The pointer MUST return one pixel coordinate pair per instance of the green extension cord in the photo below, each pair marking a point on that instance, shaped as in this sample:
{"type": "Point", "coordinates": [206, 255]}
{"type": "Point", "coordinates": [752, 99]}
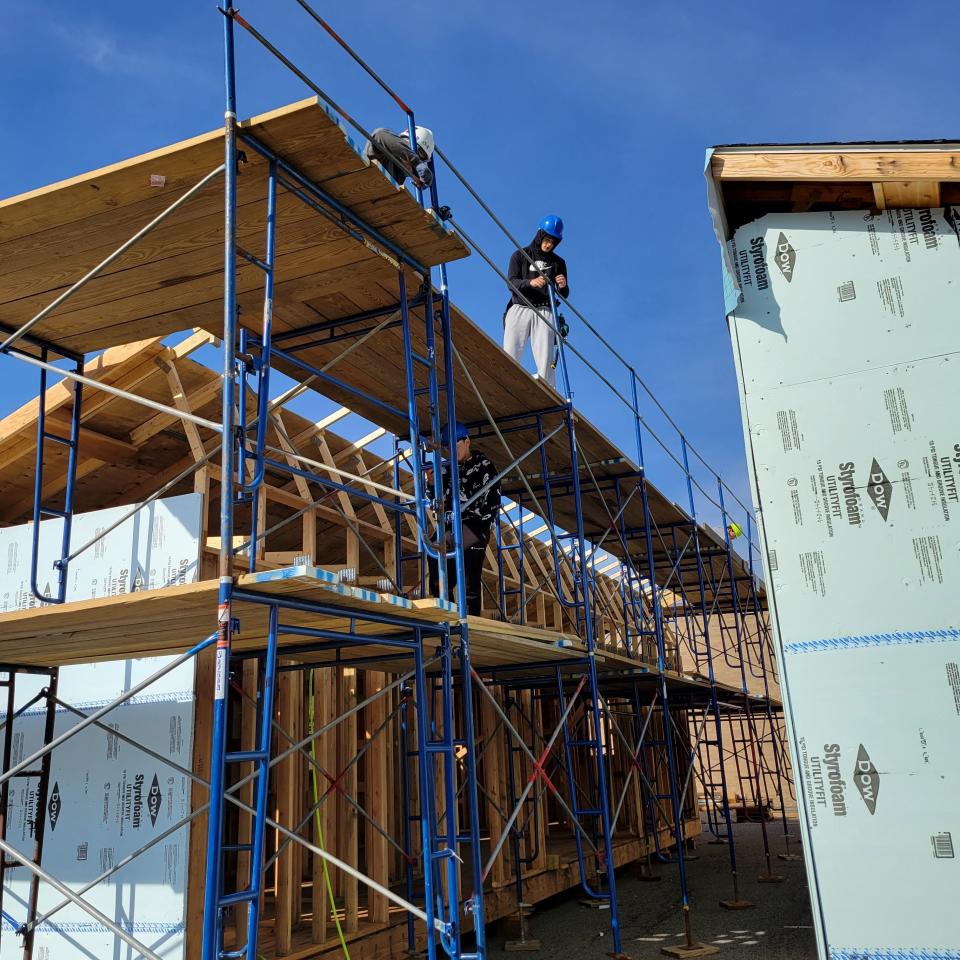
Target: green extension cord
{"type": "Point", "coordinates": [316, 814]}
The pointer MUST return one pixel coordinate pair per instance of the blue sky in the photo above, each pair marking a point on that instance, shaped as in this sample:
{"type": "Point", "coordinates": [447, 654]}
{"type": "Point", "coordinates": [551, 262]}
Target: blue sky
{"type": "Point", "coordinates": [600, 113]}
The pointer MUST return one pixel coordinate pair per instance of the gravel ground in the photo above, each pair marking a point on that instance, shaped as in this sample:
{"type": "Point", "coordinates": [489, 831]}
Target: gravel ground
{"type": "Point", "coordinates": [779, 927]}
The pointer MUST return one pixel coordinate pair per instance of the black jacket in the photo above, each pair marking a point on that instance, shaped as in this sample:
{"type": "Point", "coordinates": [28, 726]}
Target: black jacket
{"type": "Point", "coordinates": [475, 473]}
{"type": "Point", "coordinates": [521, 272]}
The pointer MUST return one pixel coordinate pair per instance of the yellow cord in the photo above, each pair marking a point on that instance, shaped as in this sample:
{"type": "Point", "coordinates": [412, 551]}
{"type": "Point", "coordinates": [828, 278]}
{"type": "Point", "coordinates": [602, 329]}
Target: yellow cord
{"type": "Point", "coordinates": [316, 814]}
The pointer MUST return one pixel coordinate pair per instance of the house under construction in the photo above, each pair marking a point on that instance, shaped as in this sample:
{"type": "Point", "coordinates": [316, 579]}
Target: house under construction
{"type": "Point", "coordinates": [369, 767]}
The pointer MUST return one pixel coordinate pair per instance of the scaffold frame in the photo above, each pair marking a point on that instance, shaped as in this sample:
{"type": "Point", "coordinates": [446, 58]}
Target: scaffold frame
{"type": "Point", "coordinates": [657, 672]}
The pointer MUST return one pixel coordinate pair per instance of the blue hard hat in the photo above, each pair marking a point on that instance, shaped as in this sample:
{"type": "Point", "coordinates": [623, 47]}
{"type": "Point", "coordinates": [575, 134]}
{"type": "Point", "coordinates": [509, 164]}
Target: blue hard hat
{"type": "Point", "coordinates": [460, 431]}
{"type": "Point", "coordinates": [552, 226]}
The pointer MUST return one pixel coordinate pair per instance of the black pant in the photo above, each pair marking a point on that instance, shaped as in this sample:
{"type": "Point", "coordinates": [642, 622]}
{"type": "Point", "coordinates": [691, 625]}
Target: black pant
{"type": "Point", "coordinates": [473, 569]}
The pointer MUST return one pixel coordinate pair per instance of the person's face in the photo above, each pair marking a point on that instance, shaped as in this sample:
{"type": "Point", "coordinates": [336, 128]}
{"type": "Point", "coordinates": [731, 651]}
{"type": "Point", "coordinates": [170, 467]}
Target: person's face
{"type": "Point", "coordinates": [547, 244]}
{"type": "Point", "coordinates": [463, 450]}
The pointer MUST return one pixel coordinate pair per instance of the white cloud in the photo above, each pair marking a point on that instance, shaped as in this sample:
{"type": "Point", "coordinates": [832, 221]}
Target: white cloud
{"type": "Point", "coordinates": [112, 55]}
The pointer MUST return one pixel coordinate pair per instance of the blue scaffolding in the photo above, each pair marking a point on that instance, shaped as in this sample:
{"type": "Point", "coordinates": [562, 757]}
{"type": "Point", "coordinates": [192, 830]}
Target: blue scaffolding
{"type": "Point", "coordinates": [656, 717]}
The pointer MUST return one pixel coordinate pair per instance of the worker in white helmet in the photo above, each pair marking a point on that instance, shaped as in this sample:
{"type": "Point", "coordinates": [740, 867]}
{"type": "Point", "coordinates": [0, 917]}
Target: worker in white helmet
{"type": "Point", "coordinates": [393, 152]}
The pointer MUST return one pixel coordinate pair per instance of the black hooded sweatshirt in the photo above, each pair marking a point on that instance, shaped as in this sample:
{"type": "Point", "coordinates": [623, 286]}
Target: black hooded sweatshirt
{"type": "Point", "coordinates": [521, 272]}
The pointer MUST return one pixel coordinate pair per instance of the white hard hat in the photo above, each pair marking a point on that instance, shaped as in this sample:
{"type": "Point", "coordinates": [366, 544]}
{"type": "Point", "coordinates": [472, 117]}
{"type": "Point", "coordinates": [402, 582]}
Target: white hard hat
{"type": "Point", "coordinates": [425, 140]}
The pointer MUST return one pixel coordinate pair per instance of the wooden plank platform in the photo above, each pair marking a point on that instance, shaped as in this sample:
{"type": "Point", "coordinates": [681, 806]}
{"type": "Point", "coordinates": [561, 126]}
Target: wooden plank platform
{"type": "Point", "coordinates": [52, 236]}
{"type": "Point", "coordinates": [173, 619]}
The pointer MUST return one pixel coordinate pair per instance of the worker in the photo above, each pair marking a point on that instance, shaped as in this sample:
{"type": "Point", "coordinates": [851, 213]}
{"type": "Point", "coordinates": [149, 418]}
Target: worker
{"type": "Point", "coordinates": [477, 476]}
{"type": "Point", "coordinates": [394, 153]}
{"type": "Point", "coordinates": [529, 273]}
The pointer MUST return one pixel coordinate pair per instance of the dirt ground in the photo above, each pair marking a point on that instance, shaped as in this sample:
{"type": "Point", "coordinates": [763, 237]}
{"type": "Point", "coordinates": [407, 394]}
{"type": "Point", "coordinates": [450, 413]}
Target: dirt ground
{"type": "Point", "coordinates": [778, 927]}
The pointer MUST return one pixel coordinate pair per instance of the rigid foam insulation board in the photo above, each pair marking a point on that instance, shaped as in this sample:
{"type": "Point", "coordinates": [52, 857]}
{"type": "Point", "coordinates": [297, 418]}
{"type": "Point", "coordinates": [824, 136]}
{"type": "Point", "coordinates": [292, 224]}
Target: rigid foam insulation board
{"type": "Point", "coordinates": [107, 798]}
{"type": "Point", "coordinates": [846, 343]}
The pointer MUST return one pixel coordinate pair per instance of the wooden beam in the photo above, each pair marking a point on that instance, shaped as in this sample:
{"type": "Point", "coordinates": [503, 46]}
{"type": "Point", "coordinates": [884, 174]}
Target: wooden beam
{"type": "Point", "coordinates": [248, 741]}
{"type": "Point", "coordinates": [183, 405]}
{"type": "Point", "coordinates": [94, 444]}
{"type": "Point", "coordinates": [309, 545]}
{"type": "Point", "coordinates": [362, 442]}
{"type": "Point", "coordinates": [108, 367]}
{"type": "Point", "coordinates": [360, 464]}
{"type": "Point", "coordinates": [327, 457]}
{"type": "Point", "coordinates": [260, 547]}
{"type": "Point", "coordinates": [285, 444]}
{"type": "Point", "coordinates": [324, 712]}
{"type": "Point", "coordinates": [199, 338]}
{"type": "Point", "coordinates": [288, 886]}
{"type": "Point", "coordinates": [493, 777]}
{"type": "Point", "coordinates": [375, 779]}
{"type": "Point", "coordinates": [347, 815]}
{"type": "Point", "coordinates": [290, 499]}
{"type": "Point", "coordinates": [896, 194]}
{"type": "Point", "coordinates": [197, 850]}
{"type": "Point", "coordinates": [837, 164]}
{"type": "Point", "coordinates": [18, 431]}
{"type": "Point", "coordinates": [150, 428]}
{"type": "Point", "coordinates": [317, 428]}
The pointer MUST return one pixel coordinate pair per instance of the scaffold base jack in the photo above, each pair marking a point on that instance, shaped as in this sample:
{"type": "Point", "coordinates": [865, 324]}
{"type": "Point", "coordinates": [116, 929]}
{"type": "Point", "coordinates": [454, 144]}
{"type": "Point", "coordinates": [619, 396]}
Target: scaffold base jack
{"type": "Point", "coordinates": [686, 950]}
{"type": "Point", "coordinates": [644, 872]}
{"type": "Point", "coordinates": [520, 924]}
{"type": "Point", "coordinates": [691, 948]}
{"type": "Point", "coordinates": [737, 904]}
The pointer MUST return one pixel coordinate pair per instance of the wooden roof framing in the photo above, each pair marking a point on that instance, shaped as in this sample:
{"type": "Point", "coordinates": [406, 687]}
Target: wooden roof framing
{"type": "Point", "coordinates": [155, 446]}
{"type": "Point", "coordinates": [765, 178]}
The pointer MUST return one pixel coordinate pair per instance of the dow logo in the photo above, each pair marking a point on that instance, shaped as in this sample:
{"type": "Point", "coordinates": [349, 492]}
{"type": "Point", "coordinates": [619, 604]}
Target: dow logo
{"type": "Point", "coordinates": [879, 488]}
{"type": "Point", "coordinates": [153, 801]}
{"type": "Point", "coordinates": [785, 257]}
{"type": "Point", "coordinates": [867, 779]}
{"type": "Point", "coordinates": [54, 806]}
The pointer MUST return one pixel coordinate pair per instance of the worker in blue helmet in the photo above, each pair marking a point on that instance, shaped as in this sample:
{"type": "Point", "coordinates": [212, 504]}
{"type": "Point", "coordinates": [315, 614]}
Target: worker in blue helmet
{"type": "Point", "coordinates": [479, 484]}
{"type": "Point", "coordinates": [528, 314]}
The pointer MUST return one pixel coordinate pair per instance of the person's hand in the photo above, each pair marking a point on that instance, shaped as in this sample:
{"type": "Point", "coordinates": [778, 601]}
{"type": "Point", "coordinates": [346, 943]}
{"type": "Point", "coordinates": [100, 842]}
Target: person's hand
{"type": "Point", "coordinates": [561, 281]}
{"type": "Point", "coordinates": [539, 283]}
{"type": "Point", "coordinates": [422, 176]}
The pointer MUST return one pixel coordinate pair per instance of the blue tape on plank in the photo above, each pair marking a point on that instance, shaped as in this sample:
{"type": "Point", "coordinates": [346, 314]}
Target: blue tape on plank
{"type": "Point", "coordinates": [396, 601]}
{"type": "Point", "coordinates": [292, 573]}
{"type": "Point", "coordinates": [898, 638]}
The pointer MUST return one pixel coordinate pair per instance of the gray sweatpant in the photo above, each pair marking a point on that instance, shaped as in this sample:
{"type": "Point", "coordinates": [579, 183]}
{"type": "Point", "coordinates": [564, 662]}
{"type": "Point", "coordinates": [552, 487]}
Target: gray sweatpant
{"type": "Point", "coordinates": [524, 323]}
